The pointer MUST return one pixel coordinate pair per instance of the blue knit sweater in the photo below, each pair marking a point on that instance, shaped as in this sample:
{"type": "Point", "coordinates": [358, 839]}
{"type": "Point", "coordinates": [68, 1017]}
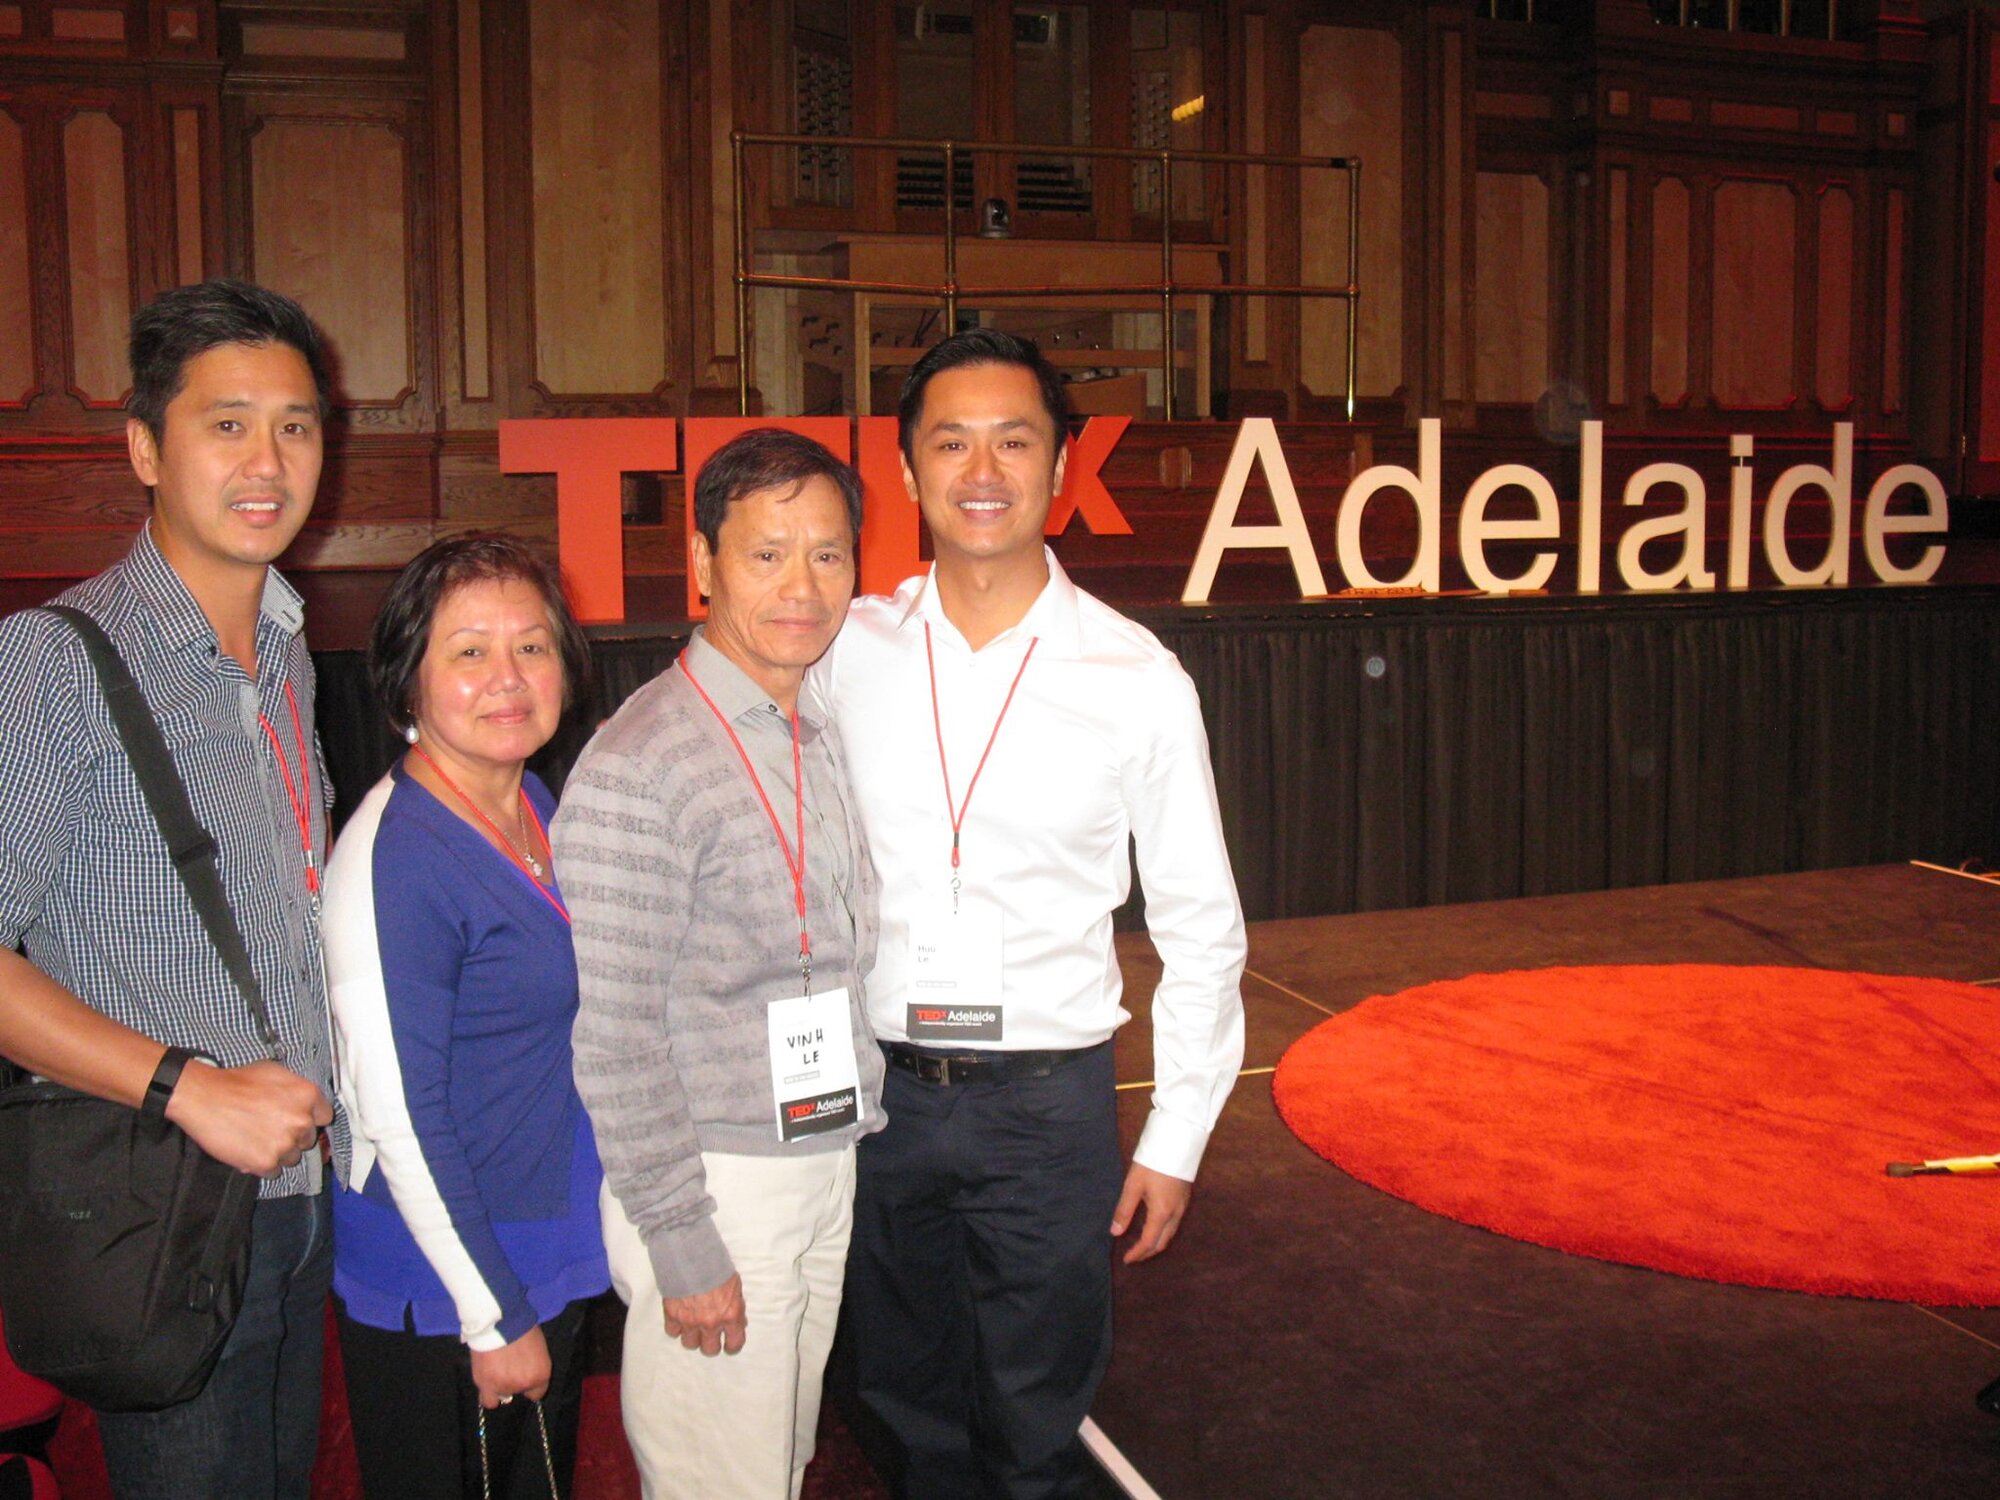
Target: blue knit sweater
{"type": "Point", "coordinates": [472, 1204]}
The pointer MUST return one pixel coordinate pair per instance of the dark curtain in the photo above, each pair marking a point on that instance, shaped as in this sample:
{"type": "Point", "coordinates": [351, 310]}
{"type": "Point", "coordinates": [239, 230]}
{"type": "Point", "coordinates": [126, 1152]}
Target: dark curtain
{"type": "Point", "coordinates": [1412, 752]}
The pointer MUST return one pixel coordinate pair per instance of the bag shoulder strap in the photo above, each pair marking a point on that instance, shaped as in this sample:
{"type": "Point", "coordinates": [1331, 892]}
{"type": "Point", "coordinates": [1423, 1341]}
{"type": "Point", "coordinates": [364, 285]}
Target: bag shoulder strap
{"type": "Point", "coordinates": [189, 844]}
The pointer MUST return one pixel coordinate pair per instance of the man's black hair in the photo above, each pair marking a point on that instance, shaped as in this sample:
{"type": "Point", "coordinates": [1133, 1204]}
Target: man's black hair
{"type": "Point", "coordinates": [766, 458]}
{"type": "Point", "coordinates": [187, 321]}
{"type": "Point", "coordinates": [980, 346]}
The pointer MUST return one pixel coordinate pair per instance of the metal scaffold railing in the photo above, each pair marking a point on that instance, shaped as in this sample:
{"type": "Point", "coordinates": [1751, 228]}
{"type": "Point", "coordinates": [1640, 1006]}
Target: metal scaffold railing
{"type": "Point", "coordinates": [950, 292]}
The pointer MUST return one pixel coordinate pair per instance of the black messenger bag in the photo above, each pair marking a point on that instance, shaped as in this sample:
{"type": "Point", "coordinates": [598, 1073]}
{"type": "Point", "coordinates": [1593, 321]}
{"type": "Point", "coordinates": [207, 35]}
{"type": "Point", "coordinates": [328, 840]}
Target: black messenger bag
{"type": "Point", "coordinates": [123, 1245]}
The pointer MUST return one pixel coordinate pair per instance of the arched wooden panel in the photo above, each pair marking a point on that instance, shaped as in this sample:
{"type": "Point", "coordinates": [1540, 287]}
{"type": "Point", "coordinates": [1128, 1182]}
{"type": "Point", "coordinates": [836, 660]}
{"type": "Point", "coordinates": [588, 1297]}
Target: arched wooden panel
{"type": "Point", "coordinates": [329, 226]}
{"type": "Point", "coordinates": [599, 245]}
{"type": "Point", "coordinates": [1755, 281]}
{"type": "Point", "coordinates": [17, 309]}
{"type": "Point", "coordinates": [1670, 292]}
{"type": "Point", "coordinates": [1351, 104]}
{"type": "Point", "coordinates": [1512, 317]}
{"type": "Point", "coordinates": [100, 260]}
{"type": "Point", "coordinates": [1833, 382]}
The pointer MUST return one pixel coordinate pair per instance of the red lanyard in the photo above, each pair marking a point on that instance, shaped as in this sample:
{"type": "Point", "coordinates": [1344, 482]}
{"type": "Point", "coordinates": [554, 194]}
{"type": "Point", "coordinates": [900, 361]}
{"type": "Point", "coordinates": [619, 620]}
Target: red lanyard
{"type": "Point", "coordinates": [796, 866]}
{"type": "Point", "coordinates": [493, 828]}
{"type": "Point", "coordinates": [300, 796]}
{"type": "Point", "coordinates": [957, 815]}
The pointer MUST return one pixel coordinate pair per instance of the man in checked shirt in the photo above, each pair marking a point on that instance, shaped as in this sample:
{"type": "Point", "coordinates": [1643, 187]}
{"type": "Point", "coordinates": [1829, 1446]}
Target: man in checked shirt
{"type": "Point", "coordinates": [117, 990]}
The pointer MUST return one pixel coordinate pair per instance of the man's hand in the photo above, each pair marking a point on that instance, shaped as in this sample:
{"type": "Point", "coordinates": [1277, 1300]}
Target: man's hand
{"type": "Point", "coordinates": [259, 1118]}
{"type": "Point", "coordinates": [517, 1369]}
{"type": "Point", "coordinates": [1165, 1199]}
{"type": "Point", "coordinates": [713, 1321]}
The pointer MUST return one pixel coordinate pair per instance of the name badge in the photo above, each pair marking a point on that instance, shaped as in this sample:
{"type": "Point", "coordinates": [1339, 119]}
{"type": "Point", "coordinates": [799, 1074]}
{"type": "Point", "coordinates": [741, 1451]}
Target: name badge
{"type": "Point", "coordinates": [955, 975]}
{"type": "Point", "coordinates": [813, 1076]}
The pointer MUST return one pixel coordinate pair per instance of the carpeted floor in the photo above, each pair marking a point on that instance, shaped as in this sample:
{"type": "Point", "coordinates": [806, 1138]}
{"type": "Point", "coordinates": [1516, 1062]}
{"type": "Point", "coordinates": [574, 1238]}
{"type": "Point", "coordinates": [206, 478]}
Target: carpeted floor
{"type": "Point", "coordinates": [1725, 1122]}
{"type": "Point", "coordinates": [1308, 1336]}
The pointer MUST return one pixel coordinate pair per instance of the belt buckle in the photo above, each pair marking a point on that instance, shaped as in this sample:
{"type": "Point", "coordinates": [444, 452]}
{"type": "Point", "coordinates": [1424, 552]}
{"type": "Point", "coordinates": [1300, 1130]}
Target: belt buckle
{"type": "Point", "coordinates": [932, 1069]}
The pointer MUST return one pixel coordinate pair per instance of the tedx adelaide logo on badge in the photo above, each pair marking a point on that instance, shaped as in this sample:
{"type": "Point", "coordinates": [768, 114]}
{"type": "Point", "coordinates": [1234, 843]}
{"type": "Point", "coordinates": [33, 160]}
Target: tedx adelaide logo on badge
{"type": "Point", "coordinates": [819, 1114]}
{"type": "Point", "coordinates": [962, 1022]}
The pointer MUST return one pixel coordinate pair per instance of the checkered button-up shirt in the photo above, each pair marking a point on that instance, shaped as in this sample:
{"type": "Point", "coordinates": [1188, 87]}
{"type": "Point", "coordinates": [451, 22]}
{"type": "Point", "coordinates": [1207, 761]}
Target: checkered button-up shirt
{"type": "Point", "coordinates": [87, 889]}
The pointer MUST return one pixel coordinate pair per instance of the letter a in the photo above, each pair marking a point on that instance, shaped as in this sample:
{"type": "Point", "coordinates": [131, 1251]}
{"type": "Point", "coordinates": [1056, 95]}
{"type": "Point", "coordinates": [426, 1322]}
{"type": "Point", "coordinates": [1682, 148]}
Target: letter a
{"type": "Point", "coordinates": [1256, 439]}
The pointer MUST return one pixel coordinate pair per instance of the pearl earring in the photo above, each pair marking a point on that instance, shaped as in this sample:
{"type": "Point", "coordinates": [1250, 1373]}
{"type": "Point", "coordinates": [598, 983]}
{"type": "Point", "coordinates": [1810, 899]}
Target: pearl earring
{"type": "Point", "coordinates": [410, 733]}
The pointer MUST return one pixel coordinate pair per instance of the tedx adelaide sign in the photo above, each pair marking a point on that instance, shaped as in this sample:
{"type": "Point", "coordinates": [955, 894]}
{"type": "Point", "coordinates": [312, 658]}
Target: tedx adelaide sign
{"type": "Point", "coordinates": [1666, 548]}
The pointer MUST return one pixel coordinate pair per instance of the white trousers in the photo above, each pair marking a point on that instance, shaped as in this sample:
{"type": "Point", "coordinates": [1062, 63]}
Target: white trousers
{"type": "Point", "coordinates": [739, 1426]}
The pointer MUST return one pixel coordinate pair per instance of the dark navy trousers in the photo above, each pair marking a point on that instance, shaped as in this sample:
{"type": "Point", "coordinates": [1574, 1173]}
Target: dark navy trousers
{"type": "Point", "coordinates": [978, 1301]}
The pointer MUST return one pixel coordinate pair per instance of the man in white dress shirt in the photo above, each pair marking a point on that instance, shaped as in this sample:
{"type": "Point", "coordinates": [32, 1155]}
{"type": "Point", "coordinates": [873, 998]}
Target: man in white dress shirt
{"type": "Point", "coordinates": [1010, 737]}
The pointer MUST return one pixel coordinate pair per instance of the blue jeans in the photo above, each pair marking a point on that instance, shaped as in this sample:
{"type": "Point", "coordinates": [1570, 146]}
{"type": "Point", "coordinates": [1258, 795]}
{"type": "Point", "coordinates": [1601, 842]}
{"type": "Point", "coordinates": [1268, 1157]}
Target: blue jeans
{"type": "Point", "coordinates": [253, 1431]}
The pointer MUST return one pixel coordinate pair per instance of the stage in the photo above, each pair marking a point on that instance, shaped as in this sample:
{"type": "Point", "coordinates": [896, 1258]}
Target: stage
{"type": "Point", "coordinates": [1309, 1336]}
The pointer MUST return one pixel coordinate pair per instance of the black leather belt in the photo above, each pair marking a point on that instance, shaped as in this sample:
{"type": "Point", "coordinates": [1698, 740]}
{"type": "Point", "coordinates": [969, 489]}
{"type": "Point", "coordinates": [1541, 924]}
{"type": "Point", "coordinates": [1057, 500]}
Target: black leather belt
{"type": "Point", "coordinates": [979, 1067]}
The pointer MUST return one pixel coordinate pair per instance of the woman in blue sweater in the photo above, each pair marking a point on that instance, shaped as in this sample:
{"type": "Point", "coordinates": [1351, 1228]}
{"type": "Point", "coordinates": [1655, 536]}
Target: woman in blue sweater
{"type": "Point", "coordinates": [466, 1240]}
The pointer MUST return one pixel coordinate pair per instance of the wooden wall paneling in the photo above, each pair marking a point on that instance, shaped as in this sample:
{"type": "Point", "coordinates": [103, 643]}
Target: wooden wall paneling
{"type": "Point", "coordinates": [1835, 285]}
{"type": "Point", "coordinates": [1218, 46]}
{"type": "Point", "coordinates": [1895, 297]}
{"type": "Point", "coordinates": [460, 113]}
{"type": "Point", "coordinates": [1701, 289]}
{"type": "Point", "coordinates": [1351, 89]}
{"type": "Point", "coordinates": [190, 197]}
{"type": "Point", "coordinates": [1459, 159]}
{"type": "Point", "coordinates": [186, 107]}
{"type": "Point", "coordinates": [1111, 108]}
{"type": "Point", "coordinates": [1282, 106]}
{"type": "Point", "coordinates": [679, 199]}
{"type": "Point", "coordinates": [711, 115]}
{"type": "Point", "coordinates": [1668, 251]}
{"type": "Point", "coordinates": [599, 163]}
{"type": "Point", "coordinates": [51, 408]}
{"type": "Point", "coordinates": [874, 112]}
{"type": "Point", "coordinates": [1511, 322]}
{"type": "Point", "coordinates": [1753, 267]}
{"type": "Point", "coordinates": [349, 99]}
{"type": "Point", "coordinates": [98, 198]}
{"type": "Point", "coordinates": [1951, 241]}
{"type": "Point", "coordinates": [1617, 286]}
{"type": "Point", "coordinates": [506, 106]}
{"type": "Point", "coordinates": [1251, 192]}
{"type": "Point", "coordinates": [17, 306]}
{"type": "Point", "coordinates": [993, 101]}
{"type": "Point", "coordinates": [330, 225]}
{"type": "Point", "coordinates": [67, 508]}
{"type": "Point", "coordinates": [1575, 286]}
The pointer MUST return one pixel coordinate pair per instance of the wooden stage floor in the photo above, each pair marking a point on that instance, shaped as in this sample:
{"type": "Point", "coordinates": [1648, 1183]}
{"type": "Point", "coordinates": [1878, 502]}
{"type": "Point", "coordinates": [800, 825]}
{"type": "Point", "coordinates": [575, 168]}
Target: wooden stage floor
{"type": "Point", "coordinates": [1309, 1336]}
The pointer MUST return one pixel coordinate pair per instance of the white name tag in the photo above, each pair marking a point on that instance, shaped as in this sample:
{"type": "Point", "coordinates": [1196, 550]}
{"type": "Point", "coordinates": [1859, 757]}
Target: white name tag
{"type": "Point", "coordinates": [955, 974]}
{"type": "Point", "coordinates": [813, 1076]}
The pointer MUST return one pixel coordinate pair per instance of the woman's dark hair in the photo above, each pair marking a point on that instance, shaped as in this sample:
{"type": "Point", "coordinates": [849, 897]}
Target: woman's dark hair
{"type": "Point", "coordinates": [187, 321]}
{"type": "Point", "coordinates": [980, 346]}
{"type": "Point", "coordinates": [403, 624]}
{"type": "Point", "coordinates": [765, 458]}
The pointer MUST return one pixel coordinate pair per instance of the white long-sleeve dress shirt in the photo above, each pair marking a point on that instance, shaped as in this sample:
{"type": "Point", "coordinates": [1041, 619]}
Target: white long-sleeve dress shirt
{"type": "Point", "coordinates": [1102, 744]}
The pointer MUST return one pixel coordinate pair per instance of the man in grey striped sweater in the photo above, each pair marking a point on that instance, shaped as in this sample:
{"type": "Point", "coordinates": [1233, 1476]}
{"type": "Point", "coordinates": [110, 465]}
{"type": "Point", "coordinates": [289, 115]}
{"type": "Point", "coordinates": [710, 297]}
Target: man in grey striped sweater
{"type": "Point", "coordinates": [724, 911]}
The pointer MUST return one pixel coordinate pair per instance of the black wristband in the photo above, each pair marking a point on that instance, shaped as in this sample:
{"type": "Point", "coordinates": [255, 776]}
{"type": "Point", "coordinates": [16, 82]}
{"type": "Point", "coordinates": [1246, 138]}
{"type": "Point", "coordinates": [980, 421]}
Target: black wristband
{"type": "Point", "coordinates": [165, 1078]}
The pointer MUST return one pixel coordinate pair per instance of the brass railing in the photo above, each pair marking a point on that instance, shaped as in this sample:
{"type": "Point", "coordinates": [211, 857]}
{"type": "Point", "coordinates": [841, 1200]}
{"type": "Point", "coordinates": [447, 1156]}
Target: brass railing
{"type": "Point", "coordinates": [950, 292]}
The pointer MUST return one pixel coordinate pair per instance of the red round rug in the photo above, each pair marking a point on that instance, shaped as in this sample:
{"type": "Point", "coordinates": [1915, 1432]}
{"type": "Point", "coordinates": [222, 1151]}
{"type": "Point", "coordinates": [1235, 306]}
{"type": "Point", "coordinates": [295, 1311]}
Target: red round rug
{"type": "Point", "coordinates": [1727, 1123]}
